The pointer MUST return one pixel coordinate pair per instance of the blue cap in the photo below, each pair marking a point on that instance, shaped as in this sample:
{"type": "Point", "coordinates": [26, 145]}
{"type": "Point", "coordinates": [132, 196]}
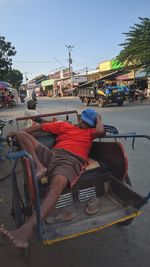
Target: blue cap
{"type": "Point", "coordinates": [89, 116]}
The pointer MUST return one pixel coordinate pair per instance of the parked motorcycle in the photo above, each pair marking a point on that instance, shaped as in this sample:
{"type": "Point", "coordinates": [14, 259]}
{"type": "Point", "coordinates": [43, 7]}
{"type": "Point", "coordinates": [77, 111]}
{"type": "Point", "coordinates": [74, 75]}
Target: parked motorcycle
{"type": "Point", "coordinates": [34, 97]}
{"type": "Point", "coordinates": [136, 95]}
{"type": "Point", "coordinates": [22, 98]}
{"type": "Point", "coordinates": [22, 95]}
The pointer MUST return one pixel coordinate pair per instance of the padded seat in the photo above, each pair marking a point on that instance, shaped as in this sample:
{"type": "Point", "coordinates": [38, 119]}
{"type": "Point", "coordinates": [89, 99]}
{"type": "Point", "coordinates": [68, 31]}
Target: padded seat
{"type": "Point", "coordinates": [91, 173]}
{"type": "Point", "coordinates": [92, 164]}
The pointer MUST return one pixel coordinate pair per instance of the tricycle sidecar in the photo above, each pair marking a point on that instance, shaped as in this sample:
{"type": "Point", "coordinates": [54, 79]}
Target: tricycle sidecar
{"type": "Point", "coordinates": [102, 197]}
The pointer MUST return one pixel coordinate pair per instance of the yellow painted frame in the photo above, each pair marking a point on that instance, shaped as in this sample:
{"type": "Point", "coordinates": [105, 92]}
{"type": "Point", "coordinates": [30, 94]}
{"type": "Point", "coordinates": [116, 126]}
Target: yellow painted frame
{"type": "Point", "coordinates": [50, 242]}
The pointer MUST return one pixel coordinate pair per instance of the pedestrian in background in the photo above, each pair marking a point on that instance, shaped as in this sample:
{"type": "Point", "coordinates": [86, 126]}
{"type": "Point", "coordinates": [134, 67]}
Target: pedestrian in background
{"type": "Point", "coordinates": [31, 111]}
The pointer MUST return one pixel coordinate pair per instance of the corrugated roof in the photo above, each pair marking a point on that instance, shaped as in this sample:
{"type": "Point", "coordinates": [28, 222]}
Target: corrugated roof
{"type": "Point", "coordinates": [107, 76]}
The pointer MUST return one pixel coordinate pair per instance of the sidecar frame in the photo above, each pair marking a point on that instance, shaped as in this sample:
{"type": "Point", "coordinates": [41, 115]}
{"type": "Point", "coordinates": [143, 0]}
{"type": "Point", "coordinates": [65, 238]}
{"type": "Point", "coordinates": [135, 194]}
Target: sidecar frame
{"type": "Point", "coordinates": [109, 184]}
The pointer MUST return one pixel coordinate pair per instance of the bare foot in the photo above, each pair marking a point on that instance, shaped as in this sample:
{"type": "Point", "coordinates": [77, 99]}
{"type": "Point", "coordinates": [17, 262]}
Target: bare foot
{"type": "Point", "coordinates": [18, 237]}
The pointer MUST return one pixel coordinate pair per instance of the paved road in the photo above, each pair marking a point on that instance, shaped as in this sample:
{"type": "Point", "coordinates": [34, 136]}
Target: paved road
{"type": "Point", "coordinates": [115, 246]}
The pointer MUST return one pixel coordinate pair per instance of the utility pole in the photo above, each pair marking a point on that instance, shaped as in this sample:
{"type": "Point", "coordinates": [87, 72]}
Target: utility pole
{"type": "Point", "coordinates": [70, 59]}
{"type": "Point", "coordinates": [26, 78]}
{"type": "Point", "coordinates": [86, 71]}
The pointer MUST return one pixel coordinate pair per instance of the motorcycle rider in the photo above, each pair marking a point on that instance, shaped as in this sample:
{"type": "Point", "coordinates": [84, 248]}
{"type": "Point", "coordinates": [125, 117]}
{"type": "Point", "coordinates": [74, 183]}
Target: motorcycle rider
{"type": "Point", "coordinates": [34, 96]}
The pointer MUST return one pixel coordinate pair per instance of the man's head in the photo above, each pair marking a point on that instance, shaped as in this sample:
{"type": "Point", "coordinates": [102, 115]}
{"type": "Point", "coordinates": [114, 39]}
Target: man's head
{"type": "Point", "coordinates": [88, 118]}
{"type": "Point", "coordinates": [31, 104]}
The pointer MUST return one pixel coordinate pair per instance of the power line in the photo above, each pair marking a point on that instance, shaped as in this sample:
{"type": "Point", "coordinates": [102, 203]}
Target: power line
{"type": "Point", "coordinates": [59, 62]}
{"type": "Point", "coordinates": [24, 61]}
{"type": "Point", "coordinates": [108, 20]}
{"type": "Point", "coordinates": [88, 35]}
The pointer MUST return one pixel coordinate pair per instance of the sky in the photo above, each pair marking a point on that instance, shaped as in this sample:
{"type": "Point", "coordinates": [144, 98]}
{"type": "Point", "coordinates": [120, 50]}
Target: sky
{"type": "Point", "coordinates": [40, 30]}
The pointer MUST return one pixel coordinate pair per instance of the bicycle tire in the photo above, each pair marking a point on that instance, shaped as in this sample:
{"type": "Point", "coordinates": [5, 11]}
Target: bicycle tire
{"type": "Point", "coordinates": [129, 221]}
{"type": "Point", "coordinates": [17, 204]}
{"type": "Point", "coordinates": [6, 167]}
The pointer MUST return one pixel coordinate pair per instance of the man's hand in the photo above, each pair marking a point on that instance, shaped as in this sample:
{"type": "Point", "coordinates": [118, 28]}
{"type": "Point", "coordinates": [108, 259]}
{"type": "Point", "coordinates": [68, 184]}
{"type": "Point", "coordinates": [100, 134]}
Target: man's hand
{"type": "Point", "coordinates": [11, 134]}
{"type": "Point", "coordinates": [54, 119]}
{"type": "Point", "coordinates": [98, 117]}
{"type": "Point", "coordinates": [100, 131]}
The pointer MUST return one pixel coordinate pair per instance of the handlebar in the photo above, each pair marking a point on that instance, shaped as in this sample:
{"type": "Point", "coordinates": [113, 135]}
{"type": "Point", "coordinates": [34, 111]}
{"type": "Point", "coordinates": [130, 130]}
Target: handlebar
{"type": "Point", "coordinates": [127, 135]}
{"type": "Point", "coordinates": [4, 122]}
{"type": "Point", "coordinates": [47, 115]}
{"type": "Point", "coordinates": [111, 129]}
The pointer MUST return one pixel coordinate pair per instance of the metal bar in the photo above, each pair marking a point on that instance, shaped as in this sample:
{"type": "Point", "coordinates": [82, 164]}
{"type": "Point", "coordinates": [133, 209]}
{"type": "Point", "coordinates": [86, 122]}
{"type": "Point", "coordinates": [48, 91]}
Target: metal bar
{"type": "Point", "coordinates": [128, 135]}
{"type": "Point", "coordinates": [37, 197]}
{"type": "Point", "coordinates": [20, 154]}
{"type": "Point", "coordinates": [47, 115]}
{"type": "Point", "coordinates": [111, 129]}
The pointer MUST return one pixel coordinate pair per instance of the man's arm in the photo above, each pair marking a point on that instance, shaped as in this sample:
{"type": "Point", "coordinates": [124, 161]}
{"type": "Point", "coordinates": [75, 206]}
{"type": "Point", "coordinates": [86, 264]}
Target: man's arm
{"type": "Point", "coordinates": [100, 130]}
{"type": "Point", "coordinates": [41, 120]}
{"type": "Point", "coordinates": [30, 130]}
{"type": "Point", "coordinates": [33, 129]}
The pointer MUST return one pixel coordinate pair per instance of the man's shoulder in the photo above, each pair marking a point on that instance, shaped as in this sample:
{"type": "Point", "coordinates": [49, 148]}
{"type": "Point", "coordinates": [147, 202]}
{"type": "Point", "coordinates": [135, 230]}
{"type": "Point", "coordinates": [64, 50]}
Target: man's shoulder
{"type": "Point", "coordinates": [66, 123]}
{"type": "Point", "coordinates": [30, 112]}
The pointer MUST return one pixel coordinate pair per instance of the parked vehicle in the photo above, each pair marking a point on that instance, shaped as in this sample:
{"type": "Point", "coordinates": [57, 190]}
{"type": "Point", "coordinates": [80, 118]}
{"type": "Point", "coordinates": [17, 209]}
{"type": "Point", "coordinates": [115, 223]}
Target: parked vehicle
{"type": "Point", "coordinates": [136, 95]}
{"type": "Point", "coordinates": [100, 93]}
{"type": "Point", "coordinates": [102, 197]}
{"type": "Point", "coordinates": [125, 90]}
{"type": "Point", "coordinates": [22, 94]}
{"type": "Point", "coordinates": [34, 96]}
{"type": "Point", "coordinates": [22, 99]}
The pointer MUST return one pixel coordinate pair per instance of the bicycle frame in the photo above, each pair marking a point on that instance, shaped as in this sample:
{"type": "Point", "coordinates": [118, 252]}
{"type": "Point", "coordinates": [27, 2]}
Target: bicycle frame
{"type": "Point", "coordinates": [6, 146]}
{"type": "Point", "coordinates": [3, 124]}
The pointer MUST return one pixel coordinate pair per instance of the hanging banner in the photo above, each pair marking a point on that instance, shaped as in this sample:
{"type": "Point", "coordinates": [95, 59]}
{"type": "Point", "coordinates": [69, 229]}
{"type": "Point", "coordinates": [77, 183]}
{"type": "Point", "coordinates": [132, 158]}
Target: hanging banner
{"type": "Point", "coordinates": [128, 76]}
{"type": "Point", "coordinates": [79, 79]}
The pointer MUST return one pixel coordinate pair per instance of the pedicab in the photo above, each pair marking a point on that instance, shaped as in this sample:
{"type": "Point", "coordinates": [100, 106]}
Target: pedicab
{"type": "Point", "coordinates": [102, 197]}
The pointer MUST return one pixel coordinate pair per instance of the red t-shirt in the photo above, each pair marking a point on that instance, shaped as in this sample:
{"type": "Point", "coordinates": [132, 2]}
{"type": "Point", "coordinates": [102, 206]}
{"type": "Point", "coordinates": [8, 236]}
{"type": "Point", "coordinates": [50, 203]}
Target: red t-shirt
{"type": "Point", "coordinates": [71, 138]}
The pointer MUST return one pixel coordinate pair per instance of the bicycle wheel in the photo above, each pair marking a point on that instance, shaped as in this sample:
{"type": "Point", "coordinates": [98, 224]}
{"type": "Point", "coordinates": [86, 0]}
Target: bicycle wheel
{"type": "Point", "coordinates": [17, 211]}
{"type": "Point", "coordinates": [129, 221]}
{"type": "Point", "coordinates": [6, 165]}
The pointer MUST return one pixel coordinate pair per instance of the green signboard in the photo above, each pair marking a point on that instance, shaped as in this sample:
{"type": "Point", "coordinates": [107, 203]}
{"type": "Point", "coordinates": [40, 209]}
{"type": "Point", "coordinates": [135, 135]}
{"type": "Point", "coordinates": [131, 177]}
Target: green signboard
{"type": "Point", "coordinates": [47, 82]}
{"type": "Point", "coordinates": [115, 64]}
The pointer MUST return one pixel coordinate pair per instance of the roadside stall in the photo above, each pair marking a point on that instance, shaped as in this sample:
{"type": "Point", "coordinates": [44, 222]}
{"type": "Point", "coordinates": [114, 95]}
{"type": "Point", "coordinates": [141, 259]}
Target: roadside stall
{"type": "Point", "coordinates": [8, 95]}
{"type": "Point", "coordinates": [4, 88]}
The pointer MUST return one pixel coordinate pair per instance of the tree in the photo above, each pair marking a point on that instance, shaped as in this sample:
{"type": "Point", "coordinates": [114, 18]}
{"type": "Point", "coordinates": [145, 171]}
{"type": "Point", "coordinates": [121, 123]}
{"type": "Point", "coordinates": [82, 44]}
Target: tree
{"type": "Point", "coordinates": [6, 52]}
{"type": "Point", "coordinates": [14, 77]}
{"type": "Point", "coordinates": [136, 48]}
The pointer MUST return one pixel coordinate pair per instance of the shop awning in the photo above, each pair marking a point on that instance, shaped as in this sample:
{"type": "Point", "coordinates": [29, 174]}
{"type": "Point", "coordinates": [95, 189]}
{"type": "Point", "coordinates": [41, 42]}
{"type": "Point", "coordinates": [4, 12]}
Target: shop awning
{"type": "Point", "coordinates": [141, 74]}
{"type": "Point", "coordinates": [4, 85]}
{"type": "Point", "coordinates": [127, 76]}
{"type": "Point", "coordinates": [108, 76]}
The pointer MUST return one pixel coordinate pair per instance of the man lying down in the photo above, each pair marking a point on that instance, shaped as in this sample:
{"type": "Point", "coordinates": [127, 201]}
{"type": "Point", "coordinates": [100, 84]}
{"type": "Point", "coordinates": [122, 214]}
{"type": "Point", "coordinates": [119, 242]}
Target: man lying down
{"type": "Point", "coordinates": [62, 164]}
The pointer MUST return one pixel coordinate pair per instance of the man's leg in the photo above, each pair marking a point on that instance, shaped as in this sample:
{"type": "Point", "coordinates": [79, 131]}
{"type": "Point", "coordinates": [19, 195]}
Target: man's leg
{"type": "Point", "coordinates": [29, 144]}
{"type": "Point", "coordinates": [21, 236]}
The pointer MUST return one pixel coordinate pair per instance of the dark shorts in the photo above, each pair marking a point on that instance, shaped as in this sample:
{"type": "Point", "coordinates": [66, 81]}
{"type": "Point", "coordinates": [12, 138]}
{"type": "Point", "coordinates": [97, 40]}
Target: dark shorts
{"type": "Point", "coordinates": [60, 162]}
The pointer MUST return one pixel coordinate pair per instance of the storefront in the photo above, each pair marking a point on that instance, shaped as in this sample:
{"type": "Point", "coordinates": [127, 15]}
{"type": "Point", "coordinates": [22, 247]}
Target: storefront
{"type": "Point", "coordinates": [47, 86]}
{"type": "Point", "coordinates": [110, 65]}
{"type": "Point", "coordinates": [126, 78]}
{"type": "Point", "coordinates": [143, 81]}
